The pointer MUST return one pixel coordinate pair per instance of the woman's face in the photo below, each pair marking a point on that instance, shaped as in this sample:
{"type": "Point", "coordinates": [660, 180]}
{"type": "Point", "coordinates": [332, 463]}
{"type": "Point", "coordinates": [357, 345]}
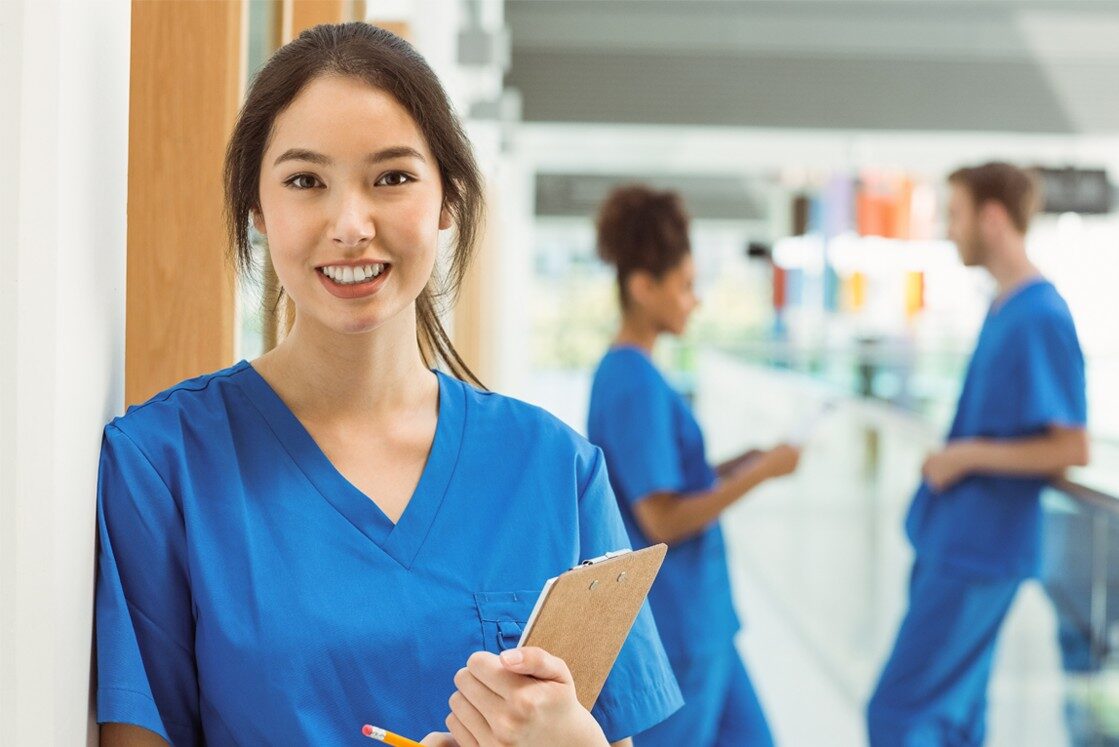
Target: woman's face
{"type": "Point", "coordinates": [671, 300]}
{"type": "Point", "coordinates": [352, 205]}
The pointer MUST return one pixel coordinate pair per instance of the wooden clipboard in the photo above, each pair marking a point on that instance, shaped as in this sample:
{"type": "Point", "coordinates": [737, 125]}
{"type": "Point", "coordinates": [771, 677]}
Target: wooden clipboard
{"type": "Point", "coordinates": [583, 616]}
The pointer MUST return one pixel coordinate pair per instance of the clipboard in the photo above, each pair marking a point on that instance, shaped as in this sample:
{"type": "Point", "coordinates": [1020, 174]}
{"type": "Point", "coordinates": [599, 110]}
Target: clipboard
{"type": "Point", "coordinates": [583, 616]}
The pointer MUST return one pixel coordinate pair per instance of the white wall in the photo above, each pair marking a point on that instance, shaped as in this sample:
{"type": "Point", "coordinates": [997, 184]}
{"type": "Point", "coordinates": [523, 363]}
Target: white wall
{"type": "Point", "coordinates": [64, 131]}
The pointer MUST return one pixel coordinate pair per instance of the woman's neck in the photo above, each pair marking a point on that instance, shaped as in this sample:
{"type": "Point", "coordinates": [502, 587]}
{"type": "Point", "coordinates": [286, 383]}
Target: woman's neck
{"type": "Point", "coordinates": [637, 332]}
{"type": "Point", "coordinates": [321, 373]}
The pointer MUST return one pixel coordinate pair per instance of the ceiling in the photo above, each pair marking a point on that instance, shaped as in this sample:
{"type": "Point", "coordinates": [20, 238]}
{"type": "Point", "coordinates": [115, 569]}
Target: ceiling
{"type": "Point", "coordinates": [1040, 66]}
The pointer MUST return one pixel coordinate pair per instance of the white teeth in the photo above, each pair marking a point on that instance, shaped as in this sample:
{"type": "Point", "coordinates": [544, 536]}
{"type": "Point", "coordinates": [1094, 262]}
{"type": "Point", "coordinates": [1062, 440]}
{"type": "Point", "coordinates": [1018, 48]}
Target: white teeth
{"type": "Point", "coordinates": [351, 275]}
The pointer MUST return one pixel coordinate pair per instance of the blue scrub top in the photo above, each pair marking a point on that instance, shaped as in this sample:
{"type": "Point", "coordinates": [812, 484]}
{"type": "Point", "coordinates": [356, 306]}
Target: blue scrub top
{"type": "Point", "coordinates": [653, 444]}
{"type": "Point", "coordinates": [249, 594]}
{"type": "Point", "coordinates": [1027, 374]}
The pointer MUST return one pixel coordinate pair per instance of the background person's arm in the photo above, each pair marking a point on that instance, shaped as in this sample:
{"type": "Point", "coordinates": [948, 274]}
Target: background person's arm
{"type": "Point", "coordinates": [729, 467]}
{"type": "Point", "coordinates": [673, 517]}
{"type": "Point", "coordinates": [1047, 455]}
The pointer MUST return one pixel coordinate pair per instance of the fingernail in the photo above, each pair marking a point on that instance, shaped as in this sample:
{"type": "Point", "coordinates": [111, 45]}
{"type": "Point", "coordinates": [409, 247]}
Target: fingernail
{"type": "Point", "coordinates": [512, 656]}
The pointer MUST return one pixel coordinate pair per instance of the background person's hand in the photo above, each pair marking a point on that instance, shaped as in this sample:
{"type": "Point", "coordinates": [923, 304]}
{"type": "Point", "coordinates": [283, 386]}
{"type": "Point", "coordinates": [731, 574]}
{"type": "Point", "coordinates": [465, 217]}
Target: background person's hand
{"type": "Point", "coordinates": [945, 468]}
{"type": "Point", "coordinates": [781, 460]}
{"type": "Point", "coordinates": [523, 698]}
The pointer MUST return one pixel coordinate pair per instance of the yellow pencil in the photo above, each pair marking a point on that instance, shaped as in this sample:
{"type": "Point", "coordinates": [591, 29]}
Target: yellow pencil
{"type": "Point", "coordinates": [388, 737]}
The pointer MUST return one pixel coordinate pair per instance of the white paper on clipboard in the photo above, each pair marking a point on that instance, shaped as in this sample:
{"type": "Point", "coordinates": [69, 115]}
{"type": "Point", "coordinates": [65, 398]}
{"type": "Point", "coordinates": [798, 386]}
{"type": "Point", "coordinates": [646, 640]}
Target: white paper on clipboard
{"type": "Point", "coordinates": [803, 430]}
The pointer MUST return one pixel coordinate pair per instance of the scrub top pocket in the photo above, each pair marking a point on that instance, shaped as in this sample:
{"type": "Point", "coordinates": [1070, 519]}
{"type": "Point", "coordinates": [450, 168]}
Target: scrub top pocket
{"type": "Point", "coordinates": [503, 615]}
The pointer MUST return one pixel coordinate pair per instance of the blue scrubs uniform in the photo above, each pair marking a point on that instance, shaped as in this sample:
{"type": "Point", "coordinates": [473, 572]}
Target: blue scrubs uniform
{"type": "Point", "coordinates": [653, 444]}
{"type": "Point", "coordinates": [975, 542]}
{"type": "Point", "coordinates": [249, 594]}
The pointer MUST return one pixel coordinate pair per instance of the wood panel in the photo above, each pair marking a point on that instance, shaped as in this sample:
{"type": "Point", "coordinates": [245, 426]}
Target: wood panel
{"type": "Point", "coordinates": [186, 73]}
{"type": "Point", "coordinates": [475, 312]}
{"type": "Point", "coordinates": [300, 15]}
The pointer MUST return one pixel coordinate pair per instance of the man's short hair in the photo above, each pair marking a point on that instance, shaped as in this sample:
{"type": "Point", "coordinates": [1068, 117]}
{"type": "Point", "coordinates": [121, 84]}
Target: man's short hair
{"type": "Point", "coordinates": [1016, 189]}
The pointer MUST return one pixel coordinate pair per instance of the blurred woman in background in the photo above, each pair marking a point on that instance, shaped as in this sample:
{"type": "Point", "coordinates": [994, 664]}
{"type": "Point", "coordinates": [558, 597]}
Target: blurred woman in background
{"type": "Point", "coordinates": [666, 489]}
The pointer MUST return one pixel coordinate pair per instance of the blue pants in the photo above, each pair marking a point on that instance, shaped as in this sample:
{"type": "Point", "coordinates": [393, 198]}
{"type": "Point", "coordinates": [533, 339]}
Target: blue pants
{"type": "Point", "coordinates": [720, 708]}
{"type": "Point", "coordinates": [933, 690]}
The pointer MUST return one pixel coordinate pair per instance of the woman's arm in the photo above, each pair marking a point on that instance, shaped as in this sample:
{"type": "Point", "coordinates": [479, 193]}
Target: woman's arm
{"type": "Point", "coordinates": [129, 735]}
{"type": "Point", "coordinates": [672, 517]}
{"type": "Point", "coordinates": [729, 467]}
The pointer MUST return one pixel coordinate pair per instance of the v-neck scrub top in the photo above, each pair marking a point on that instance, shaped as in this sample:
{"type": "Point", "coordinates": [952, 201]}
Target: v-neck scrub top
{"type": "Point", "coordinates": [1027, 375]}
{"type": "Point", "coordinates": [653, 443]}
{"type": "Point", "coordinates": [248, 593]}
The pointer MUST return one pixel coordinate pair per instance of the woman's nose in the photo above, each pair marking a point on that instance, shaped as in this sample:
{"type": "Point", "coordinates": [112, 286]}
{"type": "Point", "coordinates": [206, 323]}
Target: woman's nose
{"type": "Point", "coordinates": [354, 225]}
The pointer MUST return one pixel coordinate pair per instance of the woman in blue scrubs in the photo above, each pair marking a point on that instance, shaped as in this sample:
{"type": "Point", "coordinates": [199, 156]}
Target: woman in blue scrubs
{"type": "Point", "coordinates": [666, 489]}
{"type": "Point", "coordinates": [334, 534]}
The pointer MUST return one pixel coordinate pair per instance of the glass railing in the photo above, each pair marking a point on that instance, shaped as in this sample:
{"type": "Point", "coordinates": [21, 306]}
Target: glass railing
{"type": "Point", "coordinates": [827, 548]}
{"type": "Point", "coordinates": [1081, 579]}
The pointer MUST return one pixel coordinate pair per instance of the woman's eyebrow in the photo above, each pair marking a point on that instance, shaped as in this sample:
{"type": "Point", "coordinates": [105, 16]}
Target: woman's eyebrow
{"type": "Point", "coordinates": [385, 154]}
{"type": "Point", "coordinates": [302, 154]}
{"type": "Point", "coordinates": [398, 151]}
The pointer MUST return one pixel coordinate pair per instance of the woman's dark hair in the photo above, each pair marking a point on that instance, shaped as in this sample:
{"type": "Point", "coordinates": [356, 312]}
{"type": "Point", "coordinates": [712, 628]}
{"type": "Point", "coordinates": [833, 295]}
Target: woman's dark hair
{"type": "Point", "coordinates": [388, 63]}
{"type": "Point", "coordinates": [642, 229]}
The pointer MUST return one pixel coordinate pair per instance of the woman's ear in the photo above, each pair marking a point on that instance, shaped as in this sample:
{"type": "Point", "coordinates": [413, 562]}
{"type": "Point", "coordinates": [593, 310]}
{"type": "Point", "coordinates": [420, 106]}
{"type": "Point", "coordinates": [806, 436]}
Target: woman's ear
{"type": "Point", "coordinates": [258, 222]}
{"type": "Point", "coordinates": [446, 220]}
{"type": "Point", "coordinates": [639, 286]}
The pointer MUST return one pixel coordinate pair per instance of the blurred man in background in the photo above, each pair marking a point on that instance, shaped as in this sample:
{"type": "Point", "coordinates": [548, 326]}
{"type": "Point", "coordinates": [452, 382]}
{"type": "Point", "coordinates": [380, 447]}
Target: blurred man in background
{"type": "Point", "coordinates": [975, 522]}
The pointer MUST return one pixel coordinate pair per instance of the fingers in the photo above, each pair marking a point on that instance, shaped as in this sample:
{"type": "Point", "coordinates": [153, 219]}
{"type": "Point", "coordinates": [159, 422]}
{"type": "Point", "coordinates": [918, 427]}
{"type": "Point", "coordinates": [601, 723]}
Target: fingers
{"type": "Point", "coordinates": [537, 663]}
{"type": "Point", "coordinates": [488, 670]}
{"type": "Point", "coordinates": [502, 699]}
{"type": "Point", "coordinates": [783, 459]}
{"type": "Point", "coordinates": [439, 739]}
{"type": "Point", "coordinates": [468, 720]}
{"type": "Point", "coordinates": [475, 691]}
{"type": "Point", "coordinates": [460, 733]}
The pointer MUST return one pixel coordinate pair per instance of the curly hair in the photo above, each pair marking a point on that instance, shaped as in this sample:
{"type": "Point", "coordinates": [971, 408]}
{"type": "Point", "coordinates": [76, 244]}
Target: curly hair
{"type": "Point", "coordinates": [642, 229]}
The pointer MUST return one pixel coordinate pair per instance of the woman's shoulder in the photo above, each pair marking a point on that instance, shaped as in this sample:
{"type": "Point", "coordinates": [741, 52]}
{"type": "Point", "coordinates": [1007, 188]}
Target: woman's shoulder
{"type": "Point", "coordinates": [165, 415]}
{"type": "Point", "coordinates": [628, 372]}
{"type": "Point", "coordinates": [518, 421]}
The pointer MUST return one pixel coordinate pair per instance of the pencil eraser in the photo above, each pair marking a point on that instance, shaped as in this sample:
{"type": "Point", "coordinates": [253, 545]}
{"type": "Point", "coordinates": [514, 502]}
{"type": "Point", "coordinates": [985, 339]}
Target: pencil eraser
{"type": "Point", "coordinates": [367, 730]}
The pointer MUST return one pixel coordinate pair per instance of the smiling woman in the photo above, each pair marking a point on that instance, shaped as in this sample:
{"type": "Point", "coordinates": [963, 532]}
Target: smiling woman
{"type": "Point", "coordinates": [331, 207]}
{"type": "Point", "coordinates": [397, 83]}
{"type": "Point", "coordinates": [305, 543]}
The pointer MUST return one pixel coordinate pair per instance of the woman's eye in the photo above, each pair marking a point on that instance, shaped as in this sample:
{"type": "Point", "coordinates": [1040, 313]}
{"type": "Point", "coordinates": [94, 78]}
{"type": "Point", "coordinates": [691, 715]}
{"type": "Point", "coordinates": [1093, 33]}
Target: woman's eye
{"type": "Point", "coordinates": [394, 179]}
{"type": "Point", "coordinates": [303, 181]}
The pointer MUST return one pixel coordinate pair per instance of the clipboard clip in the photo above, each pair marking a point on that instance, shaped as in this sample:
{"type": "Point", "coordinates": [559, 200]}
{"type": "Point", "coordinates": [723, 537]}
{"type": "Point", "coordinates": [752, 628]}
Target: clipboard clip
{"type": "Point", "coordinates": [607, 556]}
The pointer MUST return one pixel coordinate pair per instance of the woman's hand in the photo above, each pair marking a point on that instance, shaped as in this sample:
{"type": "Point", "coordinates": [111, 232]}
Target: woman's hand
{"type": "Point", "coordinates": [439, 739]}
{"type": "Point", "coordinates": [523, 698]}
{"type": "Point", "coordinates": [781, 460]}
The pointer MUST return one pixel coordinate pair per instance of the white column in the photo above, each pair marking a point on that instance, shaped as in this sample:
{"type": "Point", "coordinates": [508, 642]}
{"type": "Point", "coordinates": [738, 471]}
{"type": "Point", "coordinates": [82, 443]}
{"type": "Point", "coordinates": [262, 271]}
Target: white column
{"type": "Point", "coordinates": [64, 127]}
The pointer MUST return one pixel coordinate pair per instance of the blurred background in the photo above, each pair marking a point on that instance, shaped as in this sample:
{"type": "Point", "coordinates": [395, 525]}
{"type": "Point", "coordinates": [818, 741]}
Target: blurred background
{"type": "Point", "coordinates": [810, 140]}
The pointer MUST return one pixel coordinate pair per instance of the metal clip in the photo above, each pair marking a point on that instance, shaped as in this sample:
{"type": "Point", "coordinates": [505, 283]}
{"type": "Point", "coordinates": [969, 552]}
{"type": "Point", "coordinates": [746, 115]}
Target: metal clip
{"type": "Point", "coordinates": [607, 556]}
